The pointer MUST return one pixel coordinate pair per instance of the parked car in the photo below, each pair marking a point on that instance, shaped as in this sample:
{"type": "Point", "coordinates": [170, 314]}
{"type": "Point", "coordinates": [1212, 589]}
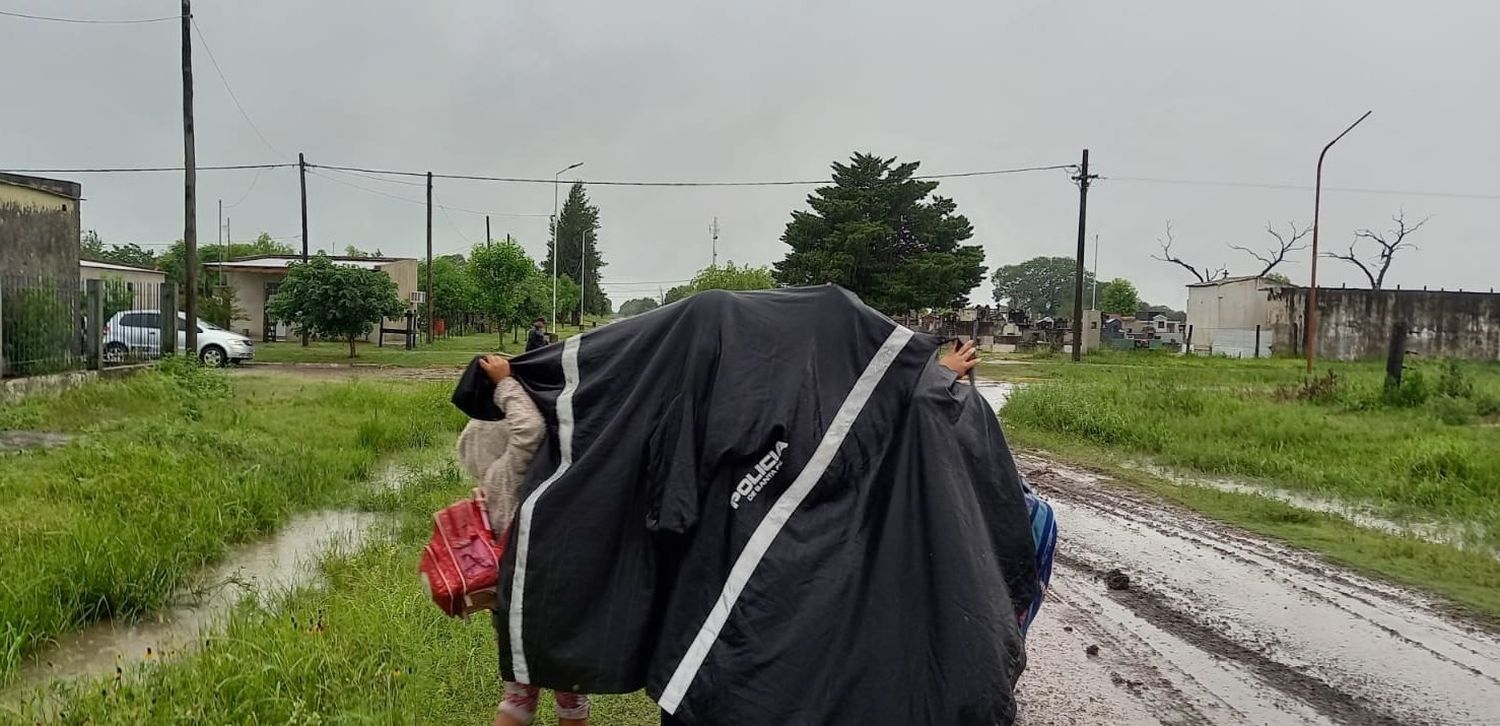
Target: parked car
{"type": "Point", "coordinates": [138, 333]}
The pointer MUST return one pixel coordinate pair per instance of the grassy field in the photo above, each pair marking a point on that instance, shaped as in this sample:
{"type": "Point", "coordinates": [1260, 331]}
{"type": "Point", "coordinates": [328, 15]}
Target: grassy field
{"type": "Point", "coordinates": [167, 470]}
{"type": "Point", "coordinates": [456, 350]}
{"type": "Point", "coordinates": [369, 647]}
{"type": "Point", "coordinates": [1428, 452]}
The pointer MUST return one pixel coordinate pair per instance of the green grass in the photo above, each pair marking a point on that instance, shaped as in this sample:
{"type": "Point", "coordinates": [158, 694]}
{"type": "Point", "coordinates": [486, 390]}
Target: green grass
{"type": "Point", "coordinates": [452, 351]}
{"type": "Point", "coordinates": [168, 470]}
{"type": "Point", "coordinates": [1469, 580]}
{"type": "Point", "coordinates": [368, 647]}
{"type": "Point", "coordinates": [1421, 456]}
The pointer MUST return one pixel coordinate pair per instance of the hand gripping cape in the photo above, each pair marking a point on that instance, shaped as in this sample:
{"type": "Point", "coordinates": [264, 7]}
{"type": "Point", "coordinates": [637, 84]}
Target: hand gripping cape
{"type": "Point", "coordinates": [768, 508]}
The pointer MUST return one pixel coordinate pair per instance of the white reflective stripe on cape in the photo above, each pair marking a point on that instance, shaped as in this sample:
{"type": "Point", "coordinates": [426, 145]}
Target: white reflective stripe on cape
{"type": "Point", "coordinates": [765, 533]}
{"type": "Point", "coordinates": [523, 517]}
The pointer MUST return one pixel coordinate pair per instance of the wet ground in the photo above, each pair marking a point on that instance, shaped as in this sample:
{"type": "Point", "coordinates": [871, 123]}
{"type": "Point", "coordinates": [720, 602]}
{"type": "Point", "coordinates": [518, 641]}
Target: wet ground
{"type": "Point", "coordinates": [13, 441]}
{"type": "Point", "coordinates": [262, 570]}
{"type": "Point", "coordinates": [1220, 627]}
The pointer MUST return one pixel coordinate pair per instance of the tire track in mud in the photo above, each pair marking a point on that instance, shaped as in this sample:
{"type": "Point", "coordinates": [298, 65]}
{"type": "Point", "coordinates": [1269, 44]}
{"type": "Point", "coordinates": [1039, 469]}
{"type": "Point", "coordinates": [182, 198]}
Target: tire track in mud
{"type": "Point", "coordinates": [1223, 627]}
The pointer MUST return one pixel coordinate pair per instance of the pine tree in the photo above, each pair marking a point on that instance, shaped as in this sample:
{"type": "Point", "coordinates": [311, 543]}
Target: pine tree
{"type": "Point", "coordinates": [576, 223]}
{"type": "Point", "coordinates": [877, 232]}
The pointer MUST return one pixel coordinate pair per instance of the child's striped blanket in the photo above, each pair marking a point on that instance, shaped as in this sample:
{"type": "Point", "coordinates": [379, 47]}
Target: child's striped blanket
{"type": "Point", "coordinates": [1044, 534]}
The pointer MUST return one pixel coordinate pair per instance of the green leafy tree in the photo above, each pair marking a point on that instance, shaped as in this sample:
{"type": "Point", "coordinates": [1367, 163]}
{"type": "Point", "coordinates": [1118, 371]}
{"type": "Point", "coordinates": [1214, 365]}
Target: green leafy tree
{"type": "Point", "coordinates": [883, 234]}
{"type": "Point", "coordinates": [322, 298]}
{"type": "Point", "coordinates": [729, 277]}
{"type": "Point", "coordinates": [500, 274]}
{"type": "Point", "coordinates": [1041, 285]}
{"type": "Point", "coordinates": [454, 290]}
{"type": "Point", "coordinates": [1119, 296]}
{"type": "Point", "coordinates": [577, 227]}
{"type": "Point", "coordinates": [221, 306]}
{"type": "Point", "coordinates": [637, 306]}
{"type": "Point", "coordinates": [352, 251]}
{"type": "Point", "coordinates": [91, 247]}
{"type": "Point", "coordinates": [677, 293]}
{"type": "Point", "coordinates": [1277, 278]}
{"type": "Point", "coordinates": [567, 296]}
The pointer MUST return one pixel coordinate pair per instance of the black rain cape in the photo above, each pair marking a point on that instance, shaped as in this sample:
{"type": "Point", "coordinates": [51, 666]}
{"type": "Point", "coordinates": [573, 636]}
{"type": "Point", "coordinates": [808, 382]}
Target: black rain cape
{"type": "Point", "coordinates": [768, 508]}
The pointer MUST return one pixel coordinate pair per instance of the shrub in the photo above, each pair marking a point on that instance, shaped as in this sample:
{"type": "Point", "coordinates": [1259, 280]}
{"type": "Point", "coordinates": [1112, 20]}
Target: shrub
{"type": "Point", "coordinates": [1412, 391]}
{"type": "Point", "coordinates": [39, 327]}
{"type": "Point", "coordinates": [1452, 410]}
{"type": "Point", "coordinates": [1486, 404]}
{"type": "Point", "coordinates": [1455, 382]}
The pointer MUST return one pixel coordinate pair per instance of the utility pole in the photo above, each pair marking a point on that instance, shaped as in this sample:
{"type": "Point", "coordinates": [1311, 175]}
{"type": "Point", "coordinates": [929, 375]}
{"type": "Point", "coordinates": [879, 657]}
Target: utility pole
{"type": "Point", "coordinates": [1083, 179]}
{"type": "Point", "coordinates": [714, 230]}
{"type": "Point", "coordinates": [583, 285]}
{"type": "Point", "coordinates": [302, 179]}
{"type": "Point", "coordinates": [222, 247]}
{"type": "Point", "coordinates": [1310, 316]}
{"type": "Point", "coordinates": [429, 258]}
{"type": "Point", "coordinates": [190, 183]}
{"type": "Point", "coordinates": [486, 230]}
{"type": "Point", "coordinates": [228, 239]}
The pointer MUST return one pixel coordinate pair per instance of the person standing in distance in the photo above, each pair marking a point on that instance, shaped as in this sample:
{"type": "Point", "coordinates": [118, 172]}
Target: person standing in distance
{"type": "Point", "coordinates": [537, 336]}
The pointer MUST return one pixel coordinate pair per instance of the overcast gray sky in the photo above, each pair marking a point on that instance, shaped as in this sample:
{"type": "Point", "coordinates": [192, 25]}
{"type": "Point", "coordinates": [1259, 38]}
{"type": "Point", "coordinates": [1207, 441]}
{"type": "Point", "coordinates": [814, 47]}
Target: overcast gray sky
{"type": "Point", "coordinates": [1163, 89]}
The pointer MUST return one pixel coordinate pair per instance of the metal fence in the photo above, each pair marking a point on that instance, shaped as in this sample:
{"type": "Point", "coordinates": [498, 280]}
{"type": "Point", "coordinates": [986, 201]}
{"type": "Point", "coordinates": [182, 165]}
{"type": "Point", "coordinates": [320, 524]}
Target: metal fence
{"type": "Point", "coordinates": [42, 329]}
{"type": "Point", "coordinates": [52, 326]}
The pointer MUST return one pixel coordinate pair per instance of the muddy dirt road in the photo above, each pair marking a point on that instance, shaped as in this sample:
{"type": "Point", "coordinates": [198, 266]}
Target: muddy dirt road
{"type": "Point", "coordinates": [1220, 627]}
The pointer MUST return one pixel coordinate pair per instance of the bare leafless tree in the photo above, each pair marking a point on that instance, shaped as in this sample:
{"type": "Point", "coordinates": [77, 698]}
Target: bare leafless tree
{"type": "Point", "coordinates": [1285, 243]}
{"type": "Point", "coordinates": [1389, 243]}
{"type": "Point", "coordinates": [1206, 274]}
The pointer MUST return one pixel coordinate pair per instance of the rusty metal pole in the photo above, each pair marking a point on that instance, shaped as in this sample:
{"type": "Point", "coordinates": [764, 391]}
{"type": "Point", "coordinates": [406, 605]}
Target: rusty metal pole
{"type": "Point", "coordinates": [1310, 315]}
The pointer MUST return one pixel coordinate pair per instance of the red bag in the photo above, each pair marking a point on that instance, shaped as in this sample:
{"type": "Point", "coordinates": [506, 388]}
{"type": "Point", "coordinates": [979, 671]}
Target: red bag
{"type": "Point", "coordinates": [461, 564]}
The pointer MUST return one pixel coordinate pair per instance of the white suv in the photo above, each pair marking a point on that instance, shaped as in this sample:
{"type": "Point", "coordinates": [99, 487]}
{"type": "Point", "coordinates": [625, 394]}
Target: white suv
{"type": "Point", "coordinates": [138, 332]}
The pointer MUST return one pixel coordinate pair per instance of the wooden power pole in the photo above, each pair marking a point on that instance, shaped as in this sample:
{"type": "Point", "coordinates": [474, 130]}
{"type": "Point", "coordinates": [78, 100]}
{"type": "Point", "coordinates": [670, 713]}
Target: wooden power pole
{"type": "Point", "coordinates": [190, 184]}
{"type": "Point", "coordinates": [302, 179]}
{"type": "Point", "coordinates": [1083, 180]}
{"type": "Point", "coordinates": [429, 259]}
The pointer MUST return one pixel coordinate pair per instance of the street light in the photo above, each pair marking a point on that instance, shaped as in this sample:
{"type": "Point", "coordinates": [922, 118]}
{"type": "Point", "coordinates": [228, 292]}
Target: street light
{"type": "Point", "coordinates": [1310, 316]}
{"type": "Point", "coordinates": [554, 237]}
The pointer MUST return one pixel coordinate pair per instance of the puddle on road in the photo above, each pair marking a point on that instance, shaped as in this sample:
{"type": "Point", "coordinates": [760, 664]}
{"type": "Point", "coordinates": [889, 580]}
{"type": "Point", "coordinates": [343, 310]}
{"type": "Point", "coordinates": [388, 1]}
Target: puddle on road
{"type": "Point", "coordinates": [261, 569]}
{"type": "Point", "coordinates": [1462, 536]}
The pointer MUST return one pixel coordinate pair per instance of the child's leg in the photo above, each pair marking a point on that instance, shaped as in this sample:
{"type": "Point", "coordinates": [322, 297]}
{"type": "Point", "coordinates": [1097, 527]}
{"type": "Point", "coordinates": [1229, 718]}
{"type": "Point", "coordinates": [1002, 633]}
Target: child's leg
{"type": "Point", "coordinates": [572, 709]}
{"type": "Point", "coordinates": [518, 706]}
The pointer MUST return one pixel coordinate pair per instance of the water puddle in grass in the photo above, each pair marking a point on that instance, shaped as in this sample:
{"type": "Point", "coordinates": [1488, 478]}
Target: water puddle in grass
{"type": "Point", "coordinates": [261, 569]}
{"type": "Point", "coordinates": [995, 392]}
{"type": "Point", "coordinates": [15, 441]}
{"type": "Point", "coordinates": [1466, 536]}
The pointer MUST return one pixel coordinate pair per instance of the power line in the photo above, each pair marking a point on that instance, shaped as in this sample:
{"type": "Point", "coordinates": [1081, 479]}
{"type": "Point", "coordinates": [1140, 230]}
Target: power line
{"type": "Point", "coordinates": [643, 282]}
{"type": "Point", "coordinates": [253, 182]}
{"type": "Point", "coordinates": [617, 183]}
{"type": "Point", "coordinates": [88, 21]}
{"type": "Point", "coordinates": [232, 97]}
{"type": "Point", "coordinates": [1298, 187]}
{"type": "Point", "coordinates": [145, 169]}
{"type": "Point", "coordinates": [420, 202]}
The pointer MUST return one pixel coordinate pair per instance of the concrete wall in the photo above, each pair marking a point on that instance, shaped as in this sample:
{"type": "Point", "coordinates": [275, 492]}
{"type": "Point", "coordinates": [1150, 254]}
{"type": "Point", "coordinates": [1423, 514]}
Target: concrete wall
{"type": "Point", "coordinates": [1356, 324]}
{"type": "Point", "coordinates": [39, 226]}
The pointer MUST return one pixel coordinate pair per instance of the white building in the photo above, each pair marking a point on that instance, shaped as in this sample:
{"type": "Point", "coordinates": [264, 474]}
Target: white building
{"type": "Point", "coordinates": [1224, 316]}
